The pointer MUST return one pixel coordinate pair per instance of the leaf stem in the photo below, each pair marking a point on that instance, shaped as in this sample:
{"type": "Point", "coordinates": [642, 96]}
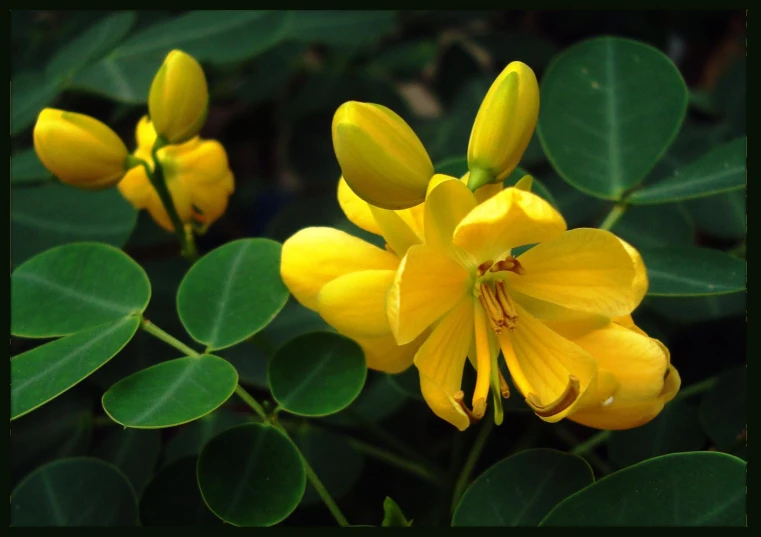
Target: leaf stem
{"type": "Point", "coordinates": [155, 331]}
{"type": "Point", "coordinates": [613, 217]}
{"type": "Point", "coordinates": [396, 461]}
{"type": "Point", "coordinates": [470, 463]}
{"type": "Point", "coordinates": [590, 443]}
{"type": "Point", "coordinates": [694, 389]}
{"type": "Point", "coordinates": [253, 403]}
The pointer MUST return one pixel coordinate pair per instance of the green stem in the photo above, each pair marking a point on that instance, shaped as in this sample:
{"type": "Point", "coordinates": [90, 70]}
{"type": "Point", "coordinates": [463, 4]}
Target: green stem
{"type": "Point", "coordinates": [470, 463]}
{"type": "Point", "coordinates": [253, 403]}
{"type": "Point", "coordinates": [695, 389]}
{"type": "Point", "coordinates": [565, 435]}
{"type": "Point", "coordinates": [154, 330]}
{"type": "Point", "coordinates": [395, 460]}
{"type": "Point", "coordinates": [479, 177]}
{"type": "Point", "coordinates": [590, 443]}
{"type": "Point", "coordinates": [613, 217]}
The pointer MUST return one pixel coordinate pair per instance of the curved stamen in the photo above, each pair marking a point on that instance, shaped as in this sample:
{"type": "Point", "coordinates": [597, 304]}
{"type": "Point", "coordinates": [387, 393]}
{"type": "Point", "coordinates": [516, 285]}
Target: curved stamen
{"type": "Point", "coordinates": [566, 399]}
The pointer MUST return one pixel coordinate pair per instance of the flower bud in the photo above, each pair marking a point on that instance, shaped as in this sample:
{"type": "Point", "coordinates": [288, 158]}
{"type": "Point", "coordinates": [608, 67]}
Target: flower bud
{"type": "Point", "coordinates": [79, 150]}
{"type": "Point", "coordinates": [381, 158]}
{"type": "Point", "coordinates": [504, 124]}
{"type": "Point", "coordinates": [179, 98]}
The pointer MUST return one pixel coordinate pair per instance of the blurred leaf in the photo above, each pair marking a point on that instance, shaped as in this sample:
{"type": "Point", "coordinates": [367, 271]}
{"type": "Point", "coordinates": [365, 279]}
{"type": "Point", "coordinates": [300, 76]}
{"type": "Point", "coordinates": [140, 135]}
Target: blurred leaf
{"type": "Point", "coordinates": [30, 93]}
{"type": "Point", "coordinates": [692, 271]}
{"type": "Point", "coordinates": [90, 45]}
{"type": "Point", "coordinates": [191, 439]}
{"type": "Point", "coordinates": [721, 170]}
{"type": "Point", "coordinates": [578, 208]}
{"type": "Point", "coordinates": [682, 489]}
{"type": "Point", "coordinates": [339, 27]}
{"type": "Point", "coordinates": [730, 95]}
{"type": "Point", "coordinates": [723, 216]}
{"type": "Point", "coordinates": [27, 168]}
{"type": "Point", "coordinates": [378, 400]}
{"type": "Point", "coordinates": [520, 490]}
{"type": "Point", "coordinates": [310, 153]}
{"type": "Point", "coordinates": [317, 374]}
{"type": "Point", "coordinates": [337, 464]}
{"type": "Point", "coordinates": [232, 292]}
{"type": "Point", "coordinates": [404, 60]}
{"type": "Point", "coordinates": [505, 47]}
{"type": "Point", "coordinates": [702, 100]}
{"type": "Point", "coordinates": [74, 492]}
{"type": "Point", "coordinates": [165, 275]}
{"type": "Point", "coordinates": [75, 287]}
{"type": "Point", "coordinates": [132, 451]}
{"type": "Point", "coordinates": [393, 516]}
{"type": "Point", "coordinates": [675, 429]}
{"type": "Point", "coordinates": [221, 36]}
{"type": "Point", "coordinates": [143, 350]}
{"type": "Point", "coordinates": [407, 382]}
{"type": "Point", "coordinates": [171, 393]}
{"type": "Point", "coordinates": [272, 71]}
{"type": "Point", "coordinates": [457, 68]}
{"type": "Point", "coordinates": [251, 475]}
{"type": "Point", "coordinates": [48, 215]}
{"type": "Point", "coordinates": [697, 309]}
{"type": "Point", "coordinates": [250, 359]}
{"type": "Point", "coordinates": [294, 320]}
{"type": "Point", "coordinates": [723, 408]}
{"type": "Point", "coordinates": [453, 166]}
{"type": "Point", "coordinates": [172, 498]}
{"type": "Point", "coordinates": [610, 109]}
{"type": "Point", "coordinates": [646, 227]}
{"type": "Point", "coordinates": [39, 375]}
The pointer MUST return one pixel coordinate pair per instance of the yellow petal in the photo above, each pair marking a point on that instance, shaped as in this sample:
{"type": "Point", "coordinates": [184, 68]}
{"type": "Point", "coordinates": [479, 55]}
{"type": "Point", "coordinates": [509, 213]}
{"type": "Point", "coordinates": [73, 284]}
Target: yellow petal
{"type": "Point", "coordinates": [396, 231]}
{"type": "Point", "coordinates": [383, 354]}
{"type": "Point", "coordinates": [355, 304]}
{"type": "Point", "coordinates": [381, 158]}
{"type": "Point", "coordinates": [509, 219]}
{"type": "Point", "coordinates": [549, 312]}
{"type": "Point", "coordinates": [441, 360]}
{"type": "Point", "coordinates": [445, 207]}
{"type": "Point", "coordinates": [78, 149]}
{"type": "Point", "coordinates": [137, 188]}
{"type": "Point", "coordinates": [544, 365]}
{"type": "Point", "coordinates": [505, 122]}
{"type": "Point", "coordinates": [640, 281]}
{"type": "Point", "coordinates": [584, 269]}
{"type": "Point", "coordinates": [355, 208]}
{"type": "Point", "coordinates": [317, 255]}
{"type": "Point", "coordinates": [427, 285]}
{"type": "Point", "coordinates": [179, 97]}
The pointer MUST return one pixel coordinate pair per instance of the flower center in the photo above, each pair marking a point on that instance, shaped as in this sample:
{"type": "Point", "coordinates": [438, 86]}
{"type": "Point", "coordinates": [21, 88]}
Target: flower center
{"type": "Point", "coordinates": [491, 292]}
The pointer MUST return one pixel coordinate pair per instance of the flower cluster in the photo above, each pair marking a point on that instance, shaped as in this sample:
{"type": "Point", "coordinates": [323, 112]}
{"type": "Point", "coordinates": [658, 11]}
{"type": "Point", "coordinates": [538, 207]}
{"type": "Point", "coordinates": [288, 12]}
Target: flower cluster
{"type": "Point", "coordinates": [449, 288]}
{"type": "Point", "coordinates": [84, 152]}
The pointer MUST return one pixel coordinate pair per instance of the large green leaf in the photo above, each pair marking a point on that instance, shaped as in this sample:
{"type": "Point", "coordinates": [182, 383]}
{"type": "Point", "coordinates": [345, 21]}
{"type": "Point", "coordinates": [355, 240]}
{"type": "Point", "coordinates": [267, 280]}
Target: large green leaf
{"type": "Point", "coordinates": [75, 492]}
{"type": "Point", "coordinates": [317, 374]}
{"type": "Point", "coordinates": [699, 308]}
{"type": "Point", "coordinates": [75, 287]}
{"type": "Point", "coordinates": [133, 451]}
{"type": "Point", "coordinates": [723, 408]}
{"type": "Point", "coordinates": [682, 489]}
{"type": "Point", "coordinates": [692, 271]}
{"type": "Point", "coordinates": [339, 27]}
{"type": "Point", "coordinates": [27, 168]}
{"type": "Point", "coordinates": [30, 93]}
{"type": "Point", "coordinates": [171, 393]}
{"type": "Point", "coordinates": [251, 475]}
{"type": "Point", "coordinates": [723, 216]}
{"type": "Point", "coordinates": [51, 214]}
{"type": "Point", "coordinates": [232, 292]}
{"type": "Point", "coordinates": [221, 36]}
{"type": "Point", "coordinates": [520, 490]}
{"type": "Point", "coordinates": [610, 109]}
{"type": "Point", "coordinates": [652, 226]}
{"type": "Point", "coordinates": [39, 375]}
{"type": "Point", "coordinates": [721, 170]}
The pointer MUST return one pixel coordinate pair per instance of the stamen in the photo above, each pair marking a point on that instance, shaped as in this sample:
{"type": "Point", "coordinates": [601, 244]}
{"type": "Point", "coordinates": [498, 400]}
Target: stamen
{"type": "Point", "coordinates": [492, 309]}
{"type": "Point", "coordinates": [506, 305]}
{"type": "Point", "coordinates": [566, 399]}
{"type": "Point", "coordinates": [510, 264]}
{"type": "Point", "coordinates": [473, 416]}
{"type": "Point", "coordinates": [483, 267]}
{"type": "Point", "coordinates": [504, 389]}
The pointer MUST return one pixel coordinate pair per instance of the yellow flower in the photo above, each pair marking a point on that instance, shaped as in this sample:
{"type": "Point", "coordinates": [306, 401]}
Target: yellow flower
{"type": "Point", "coordinates": [196, 173]}
{"type": "Point", "coordinates": [381, 158]}
{"type": "Point", "coordinates": [78, 149]}
{"type": "Point", "coordinates": [179, 98]}
{"type": "Point", "coordinates": [504, 124]}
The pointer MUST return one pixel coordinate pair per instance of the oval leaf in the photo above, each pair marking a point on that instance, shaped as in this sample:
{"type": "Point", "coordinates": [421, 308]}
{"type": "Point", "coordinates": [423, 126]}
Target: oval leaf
{"type": "Point", "coordinates": [683, 489]}
{"type": "Point", "coordinates": [171, 393]}
{"type": "Point", "coordinates": [342, 27]}
{"type": "Point", "coordinates": [610, 109]}
{"type": "Point", "coordinates": [27, 168]}
{"type": "Point", "coordinates": [652, 226]}
{"type": "Point", "coordinates": [30, 93]}
{"type": "Point", "coordinates": [520, 490]}
{"type": "Point", "coordinates": [251, 475]}
{"type": "Point", "coordinates": [723, 409]}
{"type": "Point", "coordinates": [39, 375]}
{"type": "Point", "coordinates": [52, 214]}
{"type": "Point", "coordinates": [232, 292]}
{"type": "Point", "coordinates": [721, 170]}
{"type": "Point", "coordinates": [133, 451]}
{"type": "Point", "coordinates": [724, 216]}
{"type": "Point", "coordinates": [317, 374]}
{"type": "Point", "coordinates": [75, 287]}
{"type": "Point", "coordinates": [74, 492]}
{"type": "Point", "coordinates": [692, 271]}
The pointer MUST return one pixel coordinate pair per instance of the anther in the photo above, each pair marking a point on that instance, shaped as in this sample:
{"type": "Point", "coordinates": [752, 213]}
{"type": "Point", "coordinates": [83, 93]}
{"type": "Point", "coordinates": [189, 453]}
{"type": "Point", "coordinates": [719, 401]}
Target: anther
{"type": "Point", "coordinates": [504, 389]}
{"type": "Point", "coordinates": [566, 399]}
{"type": "Point", "coordinates": [483, 267]}
{"type": "Point", "coordinates": [506, 305]}
{"type": "Point", "coordinates": [510, 264]}
{"type": "Point", "coordinates": [492, 309]}
{"type": "Point", "coordinates": [473, 416]}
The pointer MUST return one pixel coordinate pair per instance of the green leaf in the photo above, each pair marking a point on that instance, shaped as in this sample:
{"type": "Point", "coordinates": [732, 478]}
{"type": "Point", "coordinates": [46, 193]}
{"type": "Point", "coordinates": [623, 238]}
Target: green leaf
{"type": "Point", "coordinates": [682, 489]}
{"type": "Point", "coordinates": [393, 516]}
{"type": "Point", "coordinates": [520, 490]}
{"type": "Point", "coordinates": [222, 36]}
{"type": "Point", "coordinates": [675, 429]}
{"type": "Point", "coordinates": [505, 47]}
{"type": "Point", "coordinates": [692, 271]}
{"type": "Point", "coordinates": [251, 475]}
{"type": "Point", "coordinates": [378, 400]}
{"type": "Point", "coordinates": [406, 60]}
{"type": "Point", "coordinates": [192, 437]}
{"type": "Point", "coordinates": [27, 168]}
{"type": "Point", "coordinates": [697, 309]}
{"type": "Point", "coordinates": [171, 393]}
{"type": "Point", "coordinates": [340, 28]}
{"type": "Point", "coordinates": [39, 375]}
{"type": "Point", "coordinates": [172, 498]}
{"type": "Point", "coordinates": [723, 216]}
{"type": "Point", "coordinates": [90, 45]}
{"type": "Point", "coordinates": [610, 109]}
{"type": "Point", "coordinates": [730, 95]}
{"type": "Point", "coordinates": [74, 492]}
{"type": "Point", "coordinates": [407, 382]}
{"type": "Point", "coordinates": [652, 226]}
{"type": "Point", "coordinates": [75, 287]}
{"type": "Point", "coordinates": [232, 292]}
{"type": "Point", "coordinates": [723, 408]}
{"type": "Point", "coordinates": [721, 170]}
{"type": "Point", "coordinates": [453, 166]}
{"type": "Point", "coordinates": [30, 93]}
{"type": "Point", "coordinates": [317, 374]}
{"type": "Point", "coordinates": [51, 214]}
{"type": "Point", "coordinates": [132, 451]}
